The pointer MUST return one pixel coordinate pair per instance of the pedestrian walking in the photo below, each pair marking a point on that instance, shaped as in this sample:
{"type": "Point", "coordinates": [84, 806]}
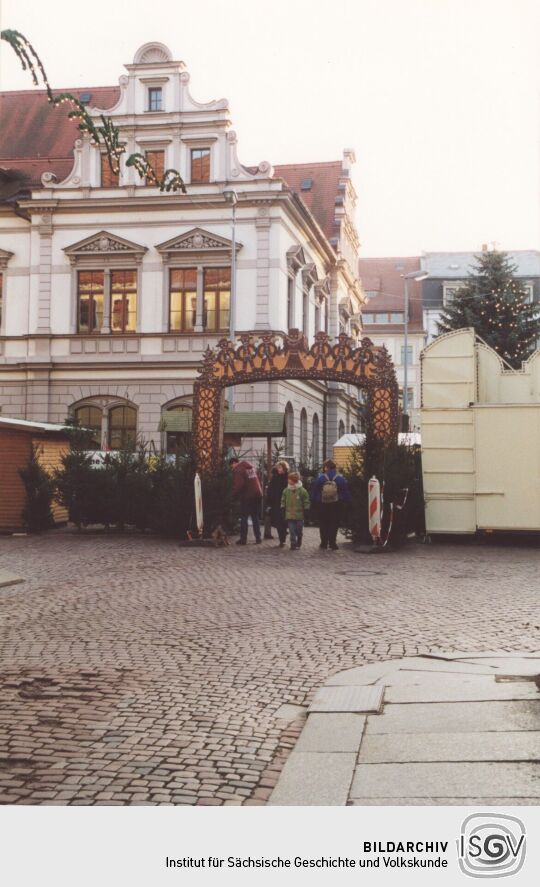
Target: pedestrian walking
{"type": "Point", "coordinates": [274, 491]}
{"type": "Point", "coordinates": [295, 503]}
{"type": "Point", "coordinates": [331, 492]}
{"type": "Point", "coordinates": [247, 489]}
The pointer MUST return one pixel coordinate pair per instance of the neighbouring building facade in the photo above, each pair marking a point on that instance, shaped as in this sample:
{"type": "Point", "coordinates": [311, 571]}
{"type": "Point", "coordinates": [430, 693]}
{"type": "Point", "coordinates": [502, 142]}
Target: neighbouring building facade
{"type": "Point", "coordinates": [449, 271]}
{"type": "Point", "coordinates": [383, 316]}
{"type": "Point", "coordinates": [111, 290]}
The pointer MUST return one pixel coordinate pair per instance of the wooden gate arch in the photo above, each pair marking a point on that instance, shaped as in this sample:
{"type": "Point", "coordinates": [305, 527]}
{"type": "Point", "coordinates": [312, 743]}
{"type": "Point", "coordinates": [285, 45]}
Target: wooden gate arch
{"type": "Point", "coordinates": [268, 357]}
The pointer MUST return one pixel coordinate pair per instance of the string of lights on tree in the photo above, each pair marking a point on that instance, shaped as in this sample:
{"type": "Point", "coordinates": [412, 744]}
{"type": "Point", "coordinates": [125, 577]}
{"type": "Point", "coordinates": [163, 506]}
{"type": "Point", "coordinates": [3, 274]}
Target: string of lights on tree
{"type": "Point", "coordinates": [497, 306]}
{"type": "Point", "coordinates": [106, 134]}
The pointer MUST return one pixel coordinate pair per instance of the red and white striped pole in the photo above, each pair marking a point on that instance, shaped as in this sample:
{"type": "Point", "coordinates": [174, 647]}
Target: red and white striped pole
{"type": "Point", "coordinates": [374, 507]}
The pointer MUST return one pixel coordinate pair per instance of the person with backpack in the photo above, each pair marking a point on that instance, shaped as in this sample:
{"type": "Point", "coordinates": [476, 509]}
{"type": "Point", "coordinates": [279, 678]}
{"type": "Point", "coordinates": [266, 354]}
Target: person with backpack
{"type": "Point", "coordinates": [247, 489]}
{"type": "Point", "coordinates": [295, 503]}
{"type": "Point", "coordinates": [330, 491]}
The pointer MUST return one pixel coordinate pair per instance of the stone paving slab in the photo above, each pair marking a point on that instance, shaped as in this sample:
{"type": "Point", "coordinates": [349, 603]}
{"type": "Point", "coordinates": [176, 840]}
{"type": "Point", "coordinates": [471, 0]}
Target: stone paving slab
{"type": "Point", "coordinates": [340, 733]}
{"type": "Point", "coordinates": [516, 666]}
{"type": "Point", "coordinates": [348, 699]}
{"type": "Point", "coordinates": [437, 666]}
{"type": "Point", "coordinates": [363, 675]}
{"type": "Point", "coordinates": [478, 690]}
{"type": "Point", "coordinates": [455, 717]}
{"type": "Point", "coordinates": [429, 747]}
{"type": "Point", "coordinates": [451, 780]}
{"type": "Point", "coordinates": [493, 654]}
{"type": "Point", "coordinates": [450, 802]}
{"type": "Point", "coordinates": [314, 779]}
{"type": "Point", "coordinates": [7, 579]}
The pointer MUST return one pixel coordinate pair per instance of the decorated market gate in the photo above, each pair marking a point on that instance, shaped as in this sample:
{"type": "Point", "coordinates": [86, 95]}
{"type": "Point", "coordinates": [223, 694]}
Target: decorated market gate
{"type": "Point", "coordinates": [270, 357]}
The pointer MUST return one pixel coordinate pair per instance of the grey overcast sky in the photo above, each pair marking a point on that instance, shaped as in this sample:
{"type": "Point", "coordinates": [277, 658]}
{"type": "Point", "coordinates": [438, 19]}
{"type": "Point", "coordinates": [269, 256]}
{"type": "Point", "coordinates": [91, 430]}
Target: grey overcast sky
{"type": "Point", "coordinates": [439, 98]}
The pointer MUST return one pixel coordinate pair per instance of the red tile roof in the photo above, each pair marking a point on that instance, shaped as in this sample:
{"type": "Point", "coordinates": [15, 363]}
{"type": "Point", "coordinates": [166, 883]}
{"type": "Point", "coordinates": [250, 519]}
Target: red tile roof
{"type": "Point", "coordinates": [383, 276]}
{"type": "Point", "coordinates": [320, 199]}
{"type": "Point", "coordinates": [36, 136]}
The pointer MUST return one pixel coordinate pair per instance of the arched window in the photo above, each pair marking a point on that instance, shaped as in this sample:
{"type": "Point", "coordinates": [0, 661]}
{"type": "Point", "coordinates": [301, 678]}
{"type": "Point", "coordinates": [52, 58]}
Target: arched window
{"type": "Point", "coordinates": [89, 418]}
{"type": "Point", "coordinates": [341, 430]}
{"type": "Point", "coordinates": [289, 429]}
{"type": "Point", "coordinates": [122, 428]}
{"type": "Point", "coordinates": [315, 445]}
{"type": "Point", "coordinates": [353, 429]}
{"type": "Point", "coordinates": [303, 437]}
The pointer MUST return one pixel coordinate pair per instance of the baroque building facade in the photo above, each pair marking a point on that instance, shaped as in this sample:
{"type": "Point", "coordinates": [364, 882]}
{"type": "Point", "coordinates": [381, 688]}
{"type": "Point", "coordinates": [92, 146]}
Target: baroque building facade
{"type": "Point", "coordinates": [112, 290]}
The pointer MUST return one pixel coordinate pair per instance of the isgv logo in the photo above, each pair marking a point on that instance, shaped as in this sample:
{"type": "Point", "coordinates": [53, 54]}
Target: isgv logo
{"type": "Point", "coordinates": [491, 845]}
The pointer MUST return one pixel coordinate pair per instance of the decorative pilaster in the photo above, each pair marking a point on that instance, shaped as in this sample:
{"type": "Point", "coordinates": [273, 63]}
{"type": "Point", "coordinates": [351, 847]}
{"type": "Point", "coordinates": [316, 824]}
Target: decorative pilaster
{"type": "Point", "coordinates": [199, 307]}
{"type": "Point", "coordinates": [106, 325]}
{"type": "Point", "coordinates": [262, 300]}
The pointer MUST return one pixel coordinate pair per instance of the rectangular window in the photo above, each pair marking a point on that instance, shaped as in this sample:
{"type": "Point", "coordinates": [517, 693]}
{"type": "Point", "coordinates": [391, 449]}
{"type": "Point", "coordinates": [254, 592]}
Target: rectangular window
{"type": "Point", "coordinates": [109, 179]}
{"type": "Point", "coordinates": [396, 317]}
{"type": "Point", "coordinates": [1, 294]}
{"type": "Point", "coordinates": [90, 286]}
{"type": "Point", "coordinates": [123, 301]}
{"type": "Point", "coordinates": [155, 98]}
{"type": "Point", "coordinates": [528, 289]}
{"type": "Point", "coordinates": [368, 318]}
{"type": "Point", "coordinates": [409, 354]}
{"type": "Point", "coordinates": [182, 299]}
{"type": "Point", "coordinates": [450, 290]}
{"type": "Point", "coordinates": [217, 298]}
{"type": "Point", "coordinates": [156, 159]}
{"type": "Point", "coordinates": [200, 165]}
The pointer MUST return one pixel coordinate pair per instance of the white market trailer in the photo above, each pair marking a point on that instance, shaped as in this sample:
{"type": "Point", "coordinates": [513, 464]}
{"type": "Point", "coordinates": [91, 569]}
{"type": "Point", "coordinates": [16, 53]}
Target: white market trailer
{"type": "Point", "coordinates": [480, 423]}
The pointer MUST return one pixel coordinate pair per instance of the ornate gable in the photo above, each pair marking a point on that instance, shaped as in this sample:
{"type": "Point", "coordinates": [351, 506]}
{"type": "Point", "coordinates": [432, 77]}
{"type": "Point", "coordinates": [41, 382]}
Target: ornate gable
{"type": "Point", "coordinates": [104, 246]}
{"type": "Point", "coordinates": [197, 240]}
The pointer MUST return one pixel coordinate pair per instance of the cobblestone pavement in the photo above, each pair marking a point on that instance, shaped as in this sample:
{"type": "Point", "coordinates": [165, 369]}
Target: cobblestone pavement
{"type": "Point", "coordinates": [133, 671]}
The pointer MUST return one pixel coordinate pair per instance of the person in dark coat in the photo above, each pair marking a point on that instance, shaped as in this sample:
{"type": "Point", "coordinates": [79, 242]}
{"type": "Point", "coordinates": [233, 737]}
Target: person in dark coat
{"type": "Point", "coordinates": [247, 489]}
{"type": "Point", "coordinates": [278, 483]}
{"type": "Point", "coordinates": [331, 492]}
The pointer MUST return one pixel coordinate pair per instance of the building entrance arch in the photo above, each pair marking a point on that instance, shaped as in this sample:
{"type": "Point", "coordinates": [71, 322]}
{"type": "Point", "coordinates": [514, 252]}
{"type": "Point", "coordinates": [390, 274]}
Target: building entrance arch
{"type": "Point", "coordinates": [269, 357]}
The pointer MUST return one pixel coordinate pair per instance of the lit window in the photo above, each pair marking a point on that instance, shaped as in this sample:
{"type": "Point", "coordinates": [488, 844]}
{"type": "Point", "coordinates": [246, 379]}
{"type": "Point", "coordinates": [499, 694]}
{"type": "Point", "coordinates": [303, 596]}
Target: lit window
{"type": "Point", "coordinates": [217, 297]}
{"type": "Point", "coordinates": [122, 428]}
{"type": "Point", "coordinates": [182, 299]}
{"type": "Point", "coordinates": [123, 301]}
{"type": "Point", "coordinates": [155, 98]}
{"type": "Point", "coordinates": [109, 179]}
{"type": "Point", "coordinates": [90, 287]}
{"type": "Point", "coordinates": [200, 165]}
{"type": "Point", "coordinates": [156, 159]}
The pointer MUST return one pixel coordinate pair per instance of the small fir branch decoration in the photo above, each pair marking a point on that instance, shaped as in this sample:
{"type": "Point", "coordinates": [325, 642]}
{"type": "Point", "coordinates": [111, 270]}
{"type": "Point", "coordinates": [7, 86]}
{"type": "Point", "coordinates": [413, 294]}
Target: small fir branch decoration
{"type": "Point", "coordinates": [107, 134]}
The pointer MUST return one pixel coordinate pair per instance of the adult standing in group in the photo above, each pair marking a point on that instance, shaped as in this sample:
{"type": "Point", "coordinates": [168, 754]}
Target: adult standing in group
{"type": "Point", "coordinates": [278, 483]}
{"type": "Point", "coordinates": [247, 489]}
{"type": "Point", "coordinates": [330, 492]}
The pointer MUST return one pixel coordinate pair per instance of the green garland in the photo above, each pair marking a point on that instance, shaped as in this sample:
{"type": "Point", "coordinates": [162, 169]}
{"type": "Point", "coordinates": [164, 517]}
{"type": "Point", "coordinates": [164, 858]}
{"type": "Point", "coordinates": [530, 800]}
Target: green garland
{"type": "Point", "coordinates": [107, 134]}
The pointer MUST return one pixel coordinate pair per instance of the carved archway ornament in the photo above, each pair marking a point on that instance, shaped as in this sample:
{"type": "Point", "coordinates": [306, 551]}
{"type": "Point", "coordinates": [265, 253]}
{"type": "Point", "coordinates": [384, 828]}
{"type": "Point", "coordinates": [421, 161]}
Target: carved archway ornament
{"type": "Point", "coordinates": [268, 357]}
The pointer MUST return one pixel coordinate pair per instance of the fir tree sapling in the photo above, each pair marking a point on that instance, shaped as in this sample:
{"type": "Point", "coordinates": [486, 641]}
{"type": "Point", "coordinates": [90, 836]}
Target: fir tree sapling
{"type": "Point", "coordinates": [495, 303]}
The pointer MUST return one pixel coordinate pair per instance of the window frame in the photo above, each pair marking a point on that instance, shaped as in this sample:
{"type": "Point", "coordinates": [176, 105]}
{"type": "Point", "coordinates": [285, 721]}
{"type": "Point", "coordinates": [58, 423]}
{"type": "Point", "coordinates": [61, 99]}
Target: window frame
{"type": "Point", "coordinates": [91, 331]}
{"type": "Point", "coordinates": [150, 96]}
{"type": "Point", "coordinates": [159, 172]}
{"type": "Point", "coordinates": [402, 355]}
{"type": "Point", "coordinates": [105, 166]}
{"type": "Point", "coordinates": [124, 430]}
{"type": "Point", "coordinates": [206, 149]}
{"type": "Point", "coordinates": [219, 327]}
{"type": "Point", "coordinates": [124, 331]}
{"type": "Point", "coordinates": [184, 294]}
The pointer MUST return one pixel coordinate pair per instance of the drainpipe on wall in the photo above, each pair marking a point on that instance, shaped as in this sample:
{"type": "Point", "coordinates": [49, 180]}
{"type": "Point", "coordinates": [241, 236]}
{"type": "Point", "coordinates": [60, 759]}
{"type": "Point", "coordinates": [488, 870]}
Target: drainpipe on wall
{"type": "Point", "coordinates": [325, 424]}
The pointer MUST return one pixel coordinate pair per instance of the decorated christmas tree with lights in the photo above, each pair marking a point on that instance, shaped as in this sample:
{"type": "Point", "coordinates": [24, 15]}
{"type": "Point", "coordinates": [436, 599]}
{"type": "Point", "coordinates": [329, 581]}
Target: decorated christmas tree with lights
{"type": "Point", "coordinates": [499, 308]}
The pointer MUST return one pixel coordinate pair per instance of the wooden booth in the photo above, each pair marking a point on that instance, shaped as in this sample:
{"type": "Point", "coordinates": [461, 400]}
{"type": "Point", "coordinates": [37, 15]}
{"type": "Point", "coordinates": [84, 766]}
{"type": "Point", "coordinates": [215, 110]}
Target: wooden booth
{"type": "Point", "coordinates": [17, 439]}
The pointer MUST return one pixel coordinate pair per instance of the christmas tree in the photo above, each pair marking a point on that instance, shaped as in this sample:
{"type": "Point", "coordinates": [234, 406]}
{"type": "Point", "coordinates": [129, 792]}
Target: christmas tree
{"type": "Point", "coordinates": [497, 305]}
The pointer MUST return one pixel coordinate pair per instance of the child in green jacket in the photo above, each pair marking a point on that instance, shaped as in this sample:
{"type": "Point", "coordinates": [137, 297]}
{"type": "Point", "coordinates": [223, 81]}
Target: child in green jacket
{"type": "Point", "coordinates": [295, 503]}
